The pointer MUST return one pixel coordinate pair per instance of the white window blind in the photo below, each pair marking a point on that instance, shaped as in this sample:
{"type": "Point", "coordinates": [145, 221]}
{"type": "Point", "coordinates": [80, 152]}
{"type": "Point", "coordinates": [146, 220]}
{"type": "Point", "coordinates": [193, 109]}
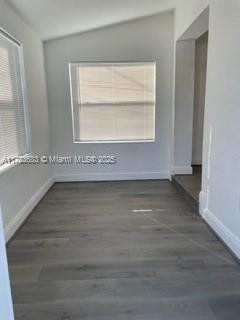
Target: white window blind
{"type": "Point", "coordinates": [113, 101]}
{"type": "Point", "coordinates": [13, 136]}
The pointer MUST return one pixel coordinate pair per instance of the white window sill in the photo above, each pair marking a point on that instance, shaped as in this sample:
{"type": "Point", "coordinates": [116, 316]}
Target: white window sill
{"type": "Point", "coordinates": [114, 142]}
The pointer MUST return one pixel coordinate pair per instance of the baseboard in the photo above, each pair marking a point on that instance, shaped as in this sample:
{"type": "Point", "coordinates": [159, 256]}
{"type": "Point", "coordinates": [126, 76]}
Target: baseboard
{"type": "Point", "coordinates": [27, 209]}
{"type": "Point", "coordinates": [182, 170]}
{"type": "Point", "coordinates": [112, 176]}
{"type": "Point", "coordinates": [202, 202]}
{"type": "Point", "coordinates": [230, 239]}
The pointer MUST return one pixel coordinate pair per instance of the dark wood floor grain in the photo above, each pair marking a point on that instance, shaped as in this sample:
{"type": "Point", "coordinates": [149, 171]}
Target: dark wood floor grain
{"type": "Point", "coordinates": [190, 184]}
{"type": "Point", "coordinates": [120, 250]}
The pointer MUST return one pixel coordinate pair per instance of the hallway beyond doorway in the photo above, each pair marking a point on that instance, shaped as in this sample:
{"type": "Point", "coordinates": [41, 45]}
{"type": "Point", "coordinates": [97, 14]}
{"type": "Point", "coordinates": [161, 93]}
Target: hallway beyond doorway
{"type": "Point", "coordinates": [190, 185]}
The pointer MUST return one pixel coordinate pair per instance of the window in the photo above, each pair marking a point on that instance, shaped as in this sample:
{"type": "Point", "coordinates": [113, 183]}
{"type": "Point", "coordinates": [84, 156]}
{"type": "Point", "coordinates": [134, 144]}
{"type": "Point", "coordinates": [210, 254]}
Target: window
{"type": "Point", "coordinates": [113, 102]}
{"type": "Point", "coordinates": [13, 133]}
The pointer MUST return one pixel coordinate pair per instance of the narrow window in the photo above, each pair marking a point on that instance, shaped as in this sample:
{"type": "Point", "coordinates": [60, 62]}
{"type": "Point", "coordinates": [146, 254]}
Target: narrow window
{"type": "Point", "coordinates": [13, 133]}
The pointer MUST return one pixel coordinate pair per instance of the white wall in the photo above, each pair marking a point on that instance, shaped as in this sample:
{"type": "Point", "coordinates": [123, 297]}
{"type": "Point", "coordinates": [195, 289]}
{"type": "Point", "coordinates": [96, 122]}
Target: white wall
{"type": "Point", "coordinates": [187, 12]}
{"type": "Point", "coordinates": [21, 186]}
{"type": "Point", "coordinates": [220, 197]}
{"type": "Point", "coordinates": [6, 306]}
{"type": "Point", "coordinates": [184, 99]}
{"type": "Point", "coordinates": [141, 40]}
{"type": "Point", "coordinates": [199, 98]}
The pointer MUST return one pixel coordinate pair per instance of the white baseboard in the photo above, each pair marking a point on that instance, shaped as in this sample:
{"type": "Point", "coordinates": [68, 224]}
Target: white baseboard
{"type": "Point", "coordinates": [203, 202]}
{"type": "Point", "coordinates": [182, 170]}
{"type": "Point", "coordinates": [27, 209]}
{"type": "Point", "coordinates": [112, 176]}
{"type": "Point", "coordinates": [230, 239]}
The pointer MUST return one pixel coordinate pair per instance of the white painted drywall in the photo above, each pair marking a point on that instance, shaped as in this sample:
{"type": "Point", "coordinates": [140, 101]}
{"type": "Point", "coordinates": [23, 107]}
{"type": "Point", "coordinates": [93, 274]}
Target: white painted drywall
{"type": "Point", "coordinates": [184, 98]}
{"type": "Point", "coordinates": [199, 98]}
{"type": "Point", "coordinates": [220, 197]}
{"type": "Point", "coordinates": [187, 11]}
{"type": "Point", "coordinates": [6, 307]}
{"type": "Point", "coordinates": [146, 39]}
{"type": "Point", "coordinates": [19, 184]}
{"type": "Point", "coordinates": [74, 16]}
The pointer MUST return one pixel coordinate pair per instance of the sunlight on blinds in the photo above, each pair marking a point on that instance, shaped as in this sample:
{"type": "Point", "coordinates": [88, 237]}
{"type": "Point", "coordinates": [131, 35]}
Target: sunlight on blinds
{"type": "Point", "coordinates": [5, 80]}
{"type": "Point", "coordinates": [113, 102]}
{"type": "Point", "coordinates": [13, 138]}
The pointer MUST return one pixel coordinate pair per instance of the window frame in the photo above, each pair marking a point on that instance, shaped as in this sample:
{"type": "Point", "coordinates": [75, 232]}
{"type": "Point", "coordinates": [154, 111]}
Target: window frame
{"type": "Point", "coordinates": [97, 63]}
{"type": "Point", "coordinates": [19, 45]}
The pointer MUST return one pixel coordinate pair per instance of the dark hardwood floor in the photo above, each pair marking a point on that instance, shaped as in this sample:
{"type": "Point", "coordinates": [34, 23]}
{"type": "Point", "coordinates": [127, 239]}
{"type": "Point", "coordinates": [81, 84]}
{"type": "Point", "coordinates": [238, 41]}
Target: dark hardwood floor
{"type": "Point", "coordinates": [190, 185]}
{"type": "Point", "coordinates": [120, 250]}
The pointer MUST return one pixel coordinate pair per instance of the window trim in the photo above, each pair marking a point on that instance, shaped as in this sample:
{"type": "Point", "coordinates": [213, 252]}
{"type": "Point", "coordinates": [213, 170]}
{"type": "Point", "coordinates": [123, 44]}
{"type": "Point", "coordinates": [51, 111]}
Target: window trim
{"type": "Point", "coordinates": [96, 63]}
{"type": "Point", "coordinates": [25, 102]}
{"type": "Point", "coordinates": [4, 168]}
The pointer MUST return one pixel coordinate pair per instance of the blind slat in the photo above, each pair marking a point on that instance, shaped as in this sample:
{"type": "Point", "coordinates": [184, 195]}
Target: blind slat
{"type": "Point", "coordinates": [13, 137]}
{"type": "Point", "coordinates": [113, 102]}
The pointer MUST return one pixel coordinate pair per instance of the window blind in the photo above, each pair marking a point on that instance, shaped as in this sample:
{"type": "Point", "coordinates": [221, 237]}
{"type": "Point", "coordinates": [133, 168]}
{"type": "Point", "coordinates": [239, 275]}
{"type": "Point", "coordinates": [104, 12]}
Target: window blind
{"type": "Point", "coordinates": [13, 137]}
{"type": "Point", "coordinates": [113, 102]}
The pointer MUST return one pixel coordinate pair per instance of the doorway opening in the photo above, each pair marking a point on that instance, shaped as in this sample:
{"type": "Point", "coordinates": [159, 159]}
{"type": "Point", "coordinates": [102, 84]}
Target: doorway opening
{"type": "Point", "coordinates": [191, 75]}
{"type": "Point", "coordinates": [201, 49]}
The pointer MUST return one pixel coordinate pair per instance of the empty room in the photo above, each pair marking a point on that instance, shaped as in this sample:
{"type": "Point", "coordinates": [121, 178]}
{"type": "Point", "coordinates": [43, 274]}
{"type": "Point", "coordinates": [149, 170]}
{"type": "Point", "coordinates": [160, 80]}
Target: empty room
{"type": "Point", "coordinates": [119, 160]}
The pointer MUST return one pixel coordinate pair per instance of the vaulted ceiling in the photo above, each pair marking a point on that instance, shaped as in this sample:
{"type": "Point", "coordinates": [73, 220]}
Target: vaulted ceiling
{"type": "Point", "coordinates": [56, 18]}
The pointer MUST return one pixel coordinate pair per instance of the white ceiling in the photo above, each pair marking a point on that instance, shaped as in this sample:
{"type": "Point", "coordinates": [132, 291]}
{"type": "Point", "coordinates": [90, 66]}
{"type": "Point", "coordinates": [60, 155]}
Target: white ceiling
{"type": "Point", "coordinates": [56, 18]}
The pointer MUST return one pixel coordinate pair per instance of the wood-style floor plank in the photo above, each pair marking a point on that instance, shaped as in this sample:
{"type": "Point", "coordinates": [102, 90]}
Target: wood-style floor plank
{"type": "Point", "coordinates": [120, 250]}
